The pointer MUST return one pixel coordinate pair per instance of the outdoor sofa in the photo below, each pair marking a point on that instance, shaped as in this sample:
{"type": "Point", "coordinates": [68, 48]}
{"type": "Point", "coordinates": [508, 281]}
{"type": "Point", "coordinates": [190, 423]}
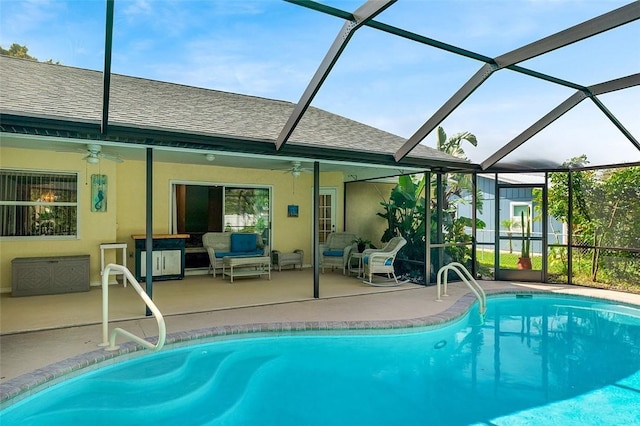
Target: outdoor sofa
{"type": "Point", "coordinates": [239, 244]}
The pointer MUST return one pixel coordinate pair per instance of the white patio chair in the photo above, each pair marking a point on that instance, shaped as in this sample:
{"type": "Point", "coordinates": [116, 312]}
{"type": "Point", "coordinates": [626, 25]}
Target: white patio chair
{"type": "Point", "coordinates": [336, 251]}
{"type": "Point", "coordinates": [380, 261]}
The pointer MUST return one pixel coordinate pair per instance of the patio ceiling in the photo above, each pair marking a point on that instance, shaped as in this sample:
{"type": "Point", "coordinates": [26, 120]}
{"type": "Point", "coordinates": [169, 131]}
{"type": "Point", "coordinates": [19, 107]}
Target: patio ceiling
{"type": "Point", "coordinates": [607, 128]}
{"type": "Point", "coordinates": [179, 155]}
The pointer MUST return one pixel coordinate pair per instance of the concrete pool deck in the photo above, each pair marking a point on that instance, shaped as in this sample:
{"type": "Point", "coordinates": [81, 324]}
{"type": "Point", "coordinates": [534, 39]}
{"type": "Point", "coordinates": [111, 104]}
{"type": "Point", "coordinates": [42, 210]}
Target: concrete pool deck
{"type": "Point", "coordinates": [29, 359]}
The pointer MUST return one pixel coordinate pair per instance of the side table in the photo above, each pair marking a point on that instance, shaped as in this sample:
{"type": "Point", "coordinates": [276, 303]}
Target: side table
{"type": "Point", "coordinates": [114, 246]}
{"type": "Point", "coordinates": [353, 256]}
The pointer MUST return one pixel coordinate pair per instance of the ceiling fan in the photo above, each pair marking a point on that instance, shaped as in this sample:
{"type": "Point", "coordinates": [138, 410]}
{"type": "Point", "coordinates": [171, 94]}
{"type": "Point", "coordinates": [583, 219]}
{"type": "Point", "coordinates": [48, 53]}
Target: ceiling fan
{"type": "Point", "coordinates": [296, 169]}
{"type": "Point", "coordinates": [95, 154]}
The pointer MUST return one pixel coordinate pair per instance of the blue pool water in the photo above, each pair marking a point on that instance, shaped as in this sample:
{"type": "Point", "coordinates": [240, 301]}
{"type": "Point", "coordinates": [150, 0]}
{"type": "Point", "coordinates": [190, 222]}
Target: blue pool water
{"type": "Point", "coordinates": [533, 361]}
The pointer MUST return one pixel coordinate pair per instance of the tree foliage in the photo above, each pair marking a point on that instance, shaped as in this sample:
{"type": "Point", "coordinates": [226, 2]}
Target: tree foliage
{"type": "Point", "coordinates": [19, 51]}
{"type": "Point", "coordinates": [405, 209]}
{"type": "Point", "coordinates": [606, 213]}
{"type": "Point", "coordinates": [404, 213]}
{"type": "Point", "coordinates": [458, 188]}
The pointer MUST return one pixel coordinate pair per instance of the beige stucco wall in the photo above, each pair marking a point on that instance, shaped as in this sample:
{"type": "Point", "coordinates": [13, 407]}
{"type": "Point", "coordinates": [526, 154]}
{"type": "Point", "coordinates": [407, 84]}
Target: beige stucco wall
{"type": "Point", "coordinates": [126, 204]}
{"type": "Point", "coordinates": [288, 233]}
{"type": "Point", "coordinates": [93, 227]}
{"type": "Point", "coordinates": [362, 204]}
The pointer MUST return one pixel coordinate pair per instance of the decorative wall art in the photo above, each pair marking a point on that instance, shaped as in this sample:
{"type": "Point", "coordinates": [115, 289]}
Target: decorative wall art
{"type": "Point", "coordinates": [98, 193]}
{"type": "Point", "coordinates": [292, 210]}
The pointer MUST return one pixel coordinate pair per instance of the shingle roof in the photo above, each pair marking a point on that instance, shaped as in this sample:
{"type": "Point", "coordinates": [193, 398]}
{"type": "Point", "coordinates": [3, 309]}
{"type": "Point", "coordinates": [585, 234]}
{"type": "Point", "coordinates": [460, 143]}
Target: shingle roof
{"type": "Point", "coordinates": [36, 89]}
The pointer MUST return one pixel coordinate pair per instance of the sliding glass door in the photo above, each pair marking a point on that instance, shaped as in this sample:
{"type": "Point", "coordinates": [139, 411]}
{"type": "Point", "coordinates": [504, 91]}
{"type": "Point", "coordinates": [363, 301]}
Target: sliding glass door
{"type": "Point", "coordinates": [198, 208]}
{"type": "Point", "coordinates": [247, 210]}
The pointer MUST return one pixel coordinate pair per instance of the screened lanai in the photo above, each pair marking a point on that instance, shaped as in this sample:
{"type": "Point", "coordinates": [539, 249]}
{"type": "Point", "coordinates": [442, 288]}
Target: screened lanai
{"type": "Point", "coordinates": [548, 90]}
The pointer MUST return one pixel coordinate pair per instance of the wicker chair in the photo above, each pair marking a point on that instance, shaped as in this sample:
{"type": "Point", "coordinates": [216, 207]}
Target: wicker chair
{"type": "Point", "coordinates": [380, 261]}
{"type": "Point", "coordinates": [219, 245]}
{"type": "Point", "coordinates": [336, 251]}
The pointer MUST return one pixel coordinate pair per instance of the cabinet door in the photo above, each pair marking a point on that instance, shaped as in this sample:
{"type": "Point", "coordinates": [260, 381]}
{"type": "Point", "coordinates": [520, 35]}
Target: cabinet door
{"type": "Point", "coordinates": [157, 263]}
{"type": "Point", "coordinates": [171, 262]}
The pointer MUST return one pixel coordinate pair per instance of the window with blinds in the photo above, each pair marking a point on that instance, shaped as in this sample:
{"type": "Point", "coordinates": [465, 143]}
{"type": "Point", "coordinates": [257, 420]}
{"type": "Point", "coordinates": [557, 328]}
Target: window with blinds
{"type": "Point", "coordinates": [38, 204]}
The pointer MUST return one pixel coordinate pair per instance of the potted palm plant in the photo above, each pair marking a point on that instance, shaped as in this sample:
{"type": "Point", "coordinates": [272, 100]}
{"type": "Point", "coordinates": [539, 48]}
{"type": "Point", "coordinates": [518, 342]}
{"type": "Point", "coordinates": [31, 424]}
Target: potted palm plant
{"type": "Point", "coordinates": [361, 243]}
{"type": "Point", "coordinates": [524, 262]}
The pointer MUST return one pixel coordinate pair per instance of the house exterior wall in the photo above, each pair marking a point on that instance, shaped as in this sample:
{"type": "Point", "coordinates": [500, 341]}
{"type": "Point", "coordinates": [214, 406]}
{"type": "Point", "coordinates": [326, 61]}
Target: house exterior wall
{"type": "Point", "coordinates": [126, 212]}
{"type": "Point", "coordinates": [362, 204]}
{"type": "Point", "coordinates": [94, 228]}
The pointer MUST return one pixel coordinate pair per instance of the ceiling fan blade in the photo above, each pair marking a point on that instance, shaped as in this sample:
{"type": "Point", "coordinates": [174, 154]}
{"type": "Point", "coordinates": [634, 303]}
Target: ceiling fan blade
{"type": "Point", "coordinates": [111, 157]}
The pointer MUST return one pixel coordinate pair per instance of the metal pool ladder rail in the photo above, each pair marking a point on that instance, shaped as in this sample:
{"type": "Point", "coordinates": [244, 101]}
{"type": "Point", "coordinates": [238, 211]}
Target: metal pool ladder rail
{"type": "Point", "coordinates": [464, 274]}
{"type": "Point", "coordinates": [109, 342]}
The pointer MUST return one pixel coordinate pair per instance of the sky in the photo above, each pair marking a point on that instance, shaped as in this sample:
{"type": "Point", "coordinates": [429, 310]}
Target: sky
{"type": "Point", "coordinates": [272, 48]}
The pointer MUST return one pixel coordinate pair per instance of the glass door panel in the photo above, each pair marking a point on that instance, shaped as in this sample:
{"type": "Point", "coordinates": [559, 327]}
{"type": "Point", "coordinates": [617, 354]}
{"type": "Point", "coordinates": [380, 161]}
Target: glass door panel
{"type": "Point", "coordinates": [519, 241]}
{"type": "Point", "coordinates": [327, 213]}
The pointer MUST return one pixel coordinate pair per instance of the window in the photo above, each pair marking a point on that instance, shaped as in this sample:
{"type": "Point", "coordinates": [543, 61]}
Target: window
{"type": "Point", "coordinates": [38, 204]}
{"type": "Point", "coordinates": [247, 209]}
{"type": "Point", "coordinates": [517, 209]}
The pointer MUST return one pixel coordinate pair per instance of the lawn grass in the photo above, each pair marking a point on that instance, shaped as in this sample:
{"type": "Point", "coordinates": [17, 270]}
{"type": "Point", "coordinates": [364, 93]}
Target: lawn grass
{"type": "Point", "coordinates": [507, 260]}
{"type": "Point", "coordinates": [557, 271]}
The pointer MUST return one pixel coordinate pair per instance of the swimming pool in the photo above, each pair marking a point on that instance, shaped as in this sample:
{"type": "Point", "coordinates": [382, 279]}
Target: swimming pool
{"type": "Point", "coordinates": [534, 360]}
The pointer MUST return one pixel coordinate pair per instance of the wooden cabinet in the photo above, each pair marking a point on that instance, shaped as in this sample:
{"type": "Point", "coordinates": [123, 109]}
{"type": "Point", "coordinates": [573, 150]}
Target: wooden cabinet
{"type": "Point", "coordinates": [165, 262]}
{"type": "Point", "coordinates": [167, 257]}
{"type": "Point", "coordinates": [49, 275]}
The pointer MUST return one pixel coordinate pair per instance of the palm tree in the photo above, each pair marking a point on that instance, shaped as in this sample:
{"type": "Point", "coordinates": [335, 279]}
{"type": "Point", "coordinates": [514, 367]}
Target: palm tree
{"type": "Point", "coordinates": [453, 145]}
{"type": "Point", "coordinates": [457, 186]}
{"type": "Point", "coordinates": [508, 223]}
{"type": "Point", "coordinates": [458, 182]}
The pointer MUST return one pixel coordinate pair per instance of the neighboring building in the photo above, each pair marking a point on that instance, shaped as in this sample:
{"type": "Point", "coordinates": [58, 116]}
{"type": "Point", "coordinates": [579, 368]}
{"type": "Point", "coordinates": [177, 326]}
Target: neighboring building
{"type": "Point", "coordinates": [516, 196]}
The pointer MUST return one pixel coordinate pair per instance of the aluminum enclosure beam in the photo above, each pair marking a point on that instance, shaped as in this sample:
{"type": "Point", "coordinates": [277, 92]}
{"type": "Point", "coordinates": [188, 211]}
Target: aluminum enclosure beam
{"type": "Point", "coordinates": [106, 75]}
{"type": "Point", "coordinates": [617, 84]}
{"type": "Point", "coordinates": [316, 229]}
{"type": "Point", "coordinates": [579, 32]}
{"type": "Point", "coordinates": [148, 241]}
{"type": "Point", "coordinates": [611, 86]}
{"type": "Point", "coordinates": [564, 107]}
{"type": "Point", "coordinates": [463, 93]}
{"type": "Point", "coordinates": [616, 122]}
{"type": "Point", "coordinates": [390, 29]}
{"type": "Point", "coordinates": [602, 23]}
{"type": "Point", "coordinates": [549, 118]}
{"type": "Point", "coordinates": [364, 13]}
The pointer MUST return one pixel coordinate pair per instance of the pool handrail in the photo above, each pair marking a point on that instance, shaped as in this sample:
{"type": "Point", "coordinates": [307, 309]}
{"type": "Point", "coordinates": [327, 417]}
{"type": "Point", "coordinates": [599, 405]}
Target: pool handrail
{"type": "Point", "coordinates": [465, 275]}
{"type": "Point", "coordinates": [109, 342]}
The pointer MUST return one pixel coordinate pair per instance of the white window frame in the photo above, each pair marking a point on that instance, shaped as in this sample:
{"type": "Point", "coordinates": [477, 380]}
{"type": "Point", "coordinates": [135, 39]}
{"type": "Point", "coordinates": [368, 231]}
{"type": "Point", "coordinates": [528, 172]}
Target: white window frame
{"type": "Point", "coordinates": [45, 203]}
{"type": "Point", "coordinates": [516, 226]}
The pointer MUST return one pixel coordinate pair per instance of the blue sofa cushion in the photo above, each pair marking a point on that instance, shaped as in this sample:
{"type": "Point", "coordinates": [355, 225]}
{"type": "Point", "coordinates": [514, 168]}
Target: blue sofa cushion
{"type": "Point", "coordinates": [386, 262]}
{"type": "Point", "coordinates": [336, 253]}
{"type": "Point", "coordinates": [244, 242]}
{"type": "Point", "coordinates": [248, 253]}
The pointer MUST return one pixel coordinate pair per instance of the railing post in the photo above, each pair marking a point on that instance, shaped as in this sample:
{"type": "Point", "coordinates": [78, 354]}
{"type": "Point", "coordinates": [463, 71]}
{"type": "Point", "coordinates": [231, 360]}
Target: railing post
{"type": "Point", "coordinates": [470, 282]}
{"type": "Point", "coordinates": [105, 306]}
{"type": "Point", "coordinates": [110, 341]}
